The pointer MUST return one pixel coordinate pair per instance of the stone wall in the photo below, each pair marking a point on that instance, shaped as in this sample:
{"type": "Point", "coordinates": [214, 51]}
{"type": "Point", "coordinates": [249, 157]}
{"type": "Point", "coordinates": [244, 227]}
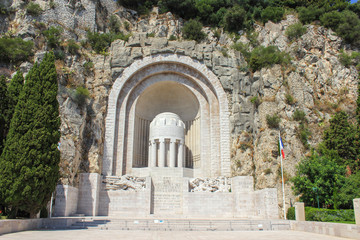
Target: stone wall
{"type": "Point", "coordinates": [125, 203]}
{"type": "Point", "coordinates": [66, 201]}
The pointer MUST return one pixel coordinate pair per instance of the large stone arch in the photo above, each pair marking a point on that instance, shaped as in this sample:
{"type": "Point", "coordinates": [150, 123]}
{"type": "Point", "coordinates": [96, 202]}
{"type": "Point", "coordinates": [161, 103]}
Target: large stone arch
{"type": "Point", "coordinates": [122, 125]}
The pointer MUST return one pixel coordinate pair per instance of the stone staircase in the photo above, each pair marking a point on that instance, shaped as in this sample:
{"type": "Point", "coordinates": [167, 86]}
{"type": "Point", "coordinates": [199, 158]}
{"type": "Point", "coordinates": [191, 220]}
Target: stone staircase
{"type": "Point", "coordinates": [181, 224]}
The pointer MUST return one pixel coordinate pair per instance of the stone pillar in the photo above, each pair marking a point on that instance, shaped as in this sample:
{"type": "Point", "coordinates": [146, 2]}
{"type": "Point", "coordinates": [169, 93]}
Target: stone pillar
{"type": "Point", "coordinates": [153, 153]}
{"type": "Point", "coordinates": [149, 155]}
{"type": "Point", "coordinates": [181, 155]}
{"type": "Point", "coordinates": [172, 152]}
{"type": "Point", "coordinates": [89, 191]}
{"type": "Point", "coordinates": [300, 211]}
{"type": "Point", "coordinates": [162, 153]}
{"type": "Point", "coordinates": [356, 202]}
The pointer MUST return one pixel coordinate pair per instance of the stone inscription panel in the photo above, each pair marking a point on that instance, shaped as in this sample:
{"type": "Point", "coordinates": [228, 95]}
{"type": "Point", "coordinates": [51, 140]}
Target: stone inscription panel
{"type": "Point", "coordinates": [167, 195]}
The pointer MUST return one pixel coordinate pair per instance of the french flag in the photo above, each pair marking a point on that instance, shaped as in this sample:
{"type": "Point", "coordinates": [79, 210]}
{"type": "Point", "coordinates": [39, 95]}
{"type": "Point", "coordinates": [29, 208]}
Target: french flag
{"type": "Point", "coordinates": [281, 147]}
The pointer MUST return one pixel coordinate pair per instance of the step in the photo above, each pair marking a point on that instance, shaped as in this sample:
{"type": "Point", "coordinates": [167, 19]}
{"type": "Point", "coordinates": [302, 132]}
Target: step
{"type": "Point", "coordinates": [182, 225]}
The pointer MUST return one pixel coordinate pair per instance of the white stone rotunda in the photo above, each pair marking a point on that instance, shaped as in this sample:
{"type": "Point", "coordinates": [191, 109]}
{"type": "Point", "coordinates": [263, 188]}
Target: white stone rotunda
{"type": "Point", "coordinates": [167, 138]}
{"type": "Point", "coordinates": [166, 150]}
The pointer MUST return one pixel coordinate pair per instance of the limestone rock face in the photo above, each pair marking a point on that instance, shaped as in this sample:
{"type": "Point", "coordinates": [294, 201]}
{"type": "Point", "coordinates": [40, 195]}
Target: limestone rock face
{"type": "Point", "coordinates": [316, 82]}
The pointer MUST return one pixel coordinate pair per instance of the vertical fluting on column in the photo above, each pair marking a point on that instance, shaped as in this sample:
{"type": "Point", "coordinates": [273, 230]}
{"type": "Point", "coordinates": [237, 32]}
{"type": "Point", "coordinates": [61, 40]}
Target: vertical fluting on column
{"type": "Point", "coordinates": [180, 155]}
{"type": "Point", "coordinates": [153, 153]}
{"type": "Point", "coordinates": [162, 152]}
{"type": "Point", "coordinates": [172, 152]}
{"type": "Point", "coordinates": [149, 155]}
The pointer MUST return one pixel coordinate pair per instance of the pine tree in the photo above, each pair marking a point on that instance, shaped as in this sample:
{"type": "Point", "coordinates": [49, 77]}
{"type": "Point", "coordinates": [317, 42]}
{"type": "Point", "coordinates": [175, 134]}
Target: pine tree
{"type": "Point", "coordinates": [29, 164]}
{"type": "Point", "coordinates": [3, 110]}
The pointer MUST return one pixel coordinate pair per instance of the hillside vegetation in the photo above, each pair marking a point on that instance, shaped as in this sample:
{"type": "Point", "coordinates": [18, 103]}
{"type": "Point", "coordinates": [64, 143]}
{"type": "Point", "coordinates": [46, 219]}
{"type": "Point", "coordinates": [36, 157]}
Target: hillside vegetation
{"type": "Point", "coordinates": [235, 15]}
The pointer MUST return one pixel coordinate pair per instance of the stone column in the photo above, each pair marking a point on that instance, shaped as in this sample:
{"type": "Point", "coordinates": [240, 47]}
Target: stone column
{"type": "Point", "coordinates": [356, 202]}
{"type": "Point", "coordinates": [299, 211]}
{"type": "Point", "coordinates": [180, 155]}
{"type": "Point", "coordinates": [153, 153]}
{"type": "Point", "coordinates": [172, 152]}
{"type": "Point", "coordinates": [162, 153]}
{"type": "Point", "coordinates": [149, 155]}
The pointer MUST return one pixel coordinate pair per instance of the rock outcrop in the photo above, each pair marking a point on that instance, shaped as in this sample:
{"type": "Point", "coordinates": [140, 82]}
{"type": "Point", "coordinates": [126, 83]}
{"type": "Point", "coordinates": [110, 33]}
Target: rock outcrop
{"type": "Point", "coordinates": [316, 82]}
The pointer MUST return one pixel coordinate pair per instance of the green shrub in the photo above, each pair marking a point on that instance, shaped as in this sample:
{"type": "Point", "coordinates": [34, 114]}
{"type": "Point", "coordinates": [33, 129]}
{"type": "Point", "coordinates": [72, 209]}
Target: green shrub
{"type": "Point", "coordinates": [172, 38]}
{"type": "Point", "coordinates": [235, 19]}
{"type": "Point", "coordinates": [267, 171]}
{"type": "Point", "coordinates": [331, 19]}
{"type": "Point", "coordinates": [290, 213]}
{"type": "Point", "coordinates": [309, 14]}
{"type": "Point", "coordinates": [100, 42]}
{"type": "Point", "coordinates": [52, 4]}
{"type": "Point", "coordinates": [299, 115]}
{"type": "Point", "coordinates": [127, 25]}
{"type": "Point", "coordinates": [53, 35]}
{"type": "Point", "coordinates": [114, 24]}
{"type": "Point", "coordinates": [295, 31]}
{"type": "Point", "coordinates": [303, 134]}
{"type": "Point", "coordinates": [33, 9]}
{"type": "Point", "coordinates": [267, 56]}
{"type": "Point", "coordinates": [345, 59]}
{"type": "Point", "coordinates": [59, 54]}
{"type": "Point", "coordinates": [274, 14]}
{"type": "Point", "coordinates": [289, 99]}
{"type": "Point", "coordinates": [150, 35]}
{"type": "Point", "coordinates": [243, 49]}
{"type": "Point", "coordinates": [72, 47]}
{"type": "Point", "coordinates": [349, 29]}
{"type": "Point", "coordinates": [273, 121]}
{"type": "Point", "coordinates": [88, 65]}
{"type": "Point", "coordinates": [329, 215]}
{"type": "Point", "coordinates": [80, 95]}
{"type": "Point", "coordinates": [15, 49]}
{"type": "Point", "coordinates": [192, 30]}
{"type": "Point", "coordinates": [255, 100]}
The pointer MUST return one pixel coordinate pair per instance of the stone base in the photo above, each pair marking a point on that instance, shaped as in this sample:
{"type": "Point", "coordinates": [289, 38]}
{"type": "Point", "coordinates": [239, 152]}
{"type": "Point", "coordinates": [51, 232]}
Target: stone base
{"type": "Point", "coordinates": [166, 193]}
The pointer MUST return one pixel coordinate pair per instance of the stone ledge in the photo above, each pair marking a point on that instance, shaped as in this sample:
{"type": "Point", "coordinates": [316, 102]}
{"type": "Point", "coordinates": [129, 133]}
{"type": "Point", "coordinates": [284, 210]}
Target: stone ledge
{"type": "Point", "coordinates": [333, 229]}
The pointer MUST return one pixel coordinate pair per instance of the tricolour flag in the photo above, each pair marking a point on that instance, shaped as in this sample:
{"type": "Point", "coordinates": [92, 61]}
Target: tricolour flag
{"type": "Point", "coordinates": [281, 147]}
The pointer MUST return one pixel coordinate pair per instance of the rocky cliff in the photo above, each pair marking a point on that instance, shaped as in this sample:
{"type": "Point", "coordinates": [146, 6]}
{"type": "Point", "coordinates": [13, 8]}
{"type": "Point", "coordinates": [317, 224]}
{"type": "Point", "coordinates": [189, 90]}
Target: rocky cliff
{"type": "Point", "coordinates": [315, 82]}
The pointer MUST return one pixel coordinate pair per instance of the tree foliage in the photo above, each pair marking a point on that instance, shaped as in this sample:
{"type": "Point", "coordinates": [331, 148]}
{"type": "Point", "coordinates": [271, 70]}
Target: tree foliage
{"type": "Point", "coordinates": [53, 36]}
{"type": "Point", "coordinates": [295, 31]}
{"type": "Point", "coordinates": [15, 49]}
{"type": "Point", "coordinates": [192, 30]}
{"type": "Point", "coordinates": [30, 159]}
{"type": "Point", "coordinates": [318, 175]}
{"type": "Point", "coordinates": [9, 100]}
{"type": "Point", "coordinates": [274, 14]}
{"type": "Point", "coordinates": [3, 110]}
{"type": "Point", "coordinates": [343, 138]}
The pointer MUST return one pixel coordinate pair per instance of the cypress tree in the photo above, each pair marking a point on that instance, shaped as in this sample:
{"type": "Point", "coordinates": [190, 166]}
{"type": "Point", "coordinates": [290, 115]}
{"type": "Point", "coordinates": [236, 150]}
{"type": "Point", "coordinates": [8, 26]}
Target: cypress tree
{"type": "Point", "coordinates": [342, 137]}
{"type": "Point", "coordinates": [13, 92]}
{"type": "Point", "coordinates": [29, 164]}
{"type": "Point", "coordinates": [3, 110]}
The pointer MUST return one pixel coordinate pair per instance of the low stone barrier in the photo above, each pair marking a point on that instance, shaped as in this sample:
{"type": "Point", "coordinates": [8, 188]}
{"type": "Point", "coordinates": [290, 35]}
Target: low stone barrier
{"type": "Point", "coordinates": [332, 229]}
{"type": "Point", "coordinates": [17, 225]}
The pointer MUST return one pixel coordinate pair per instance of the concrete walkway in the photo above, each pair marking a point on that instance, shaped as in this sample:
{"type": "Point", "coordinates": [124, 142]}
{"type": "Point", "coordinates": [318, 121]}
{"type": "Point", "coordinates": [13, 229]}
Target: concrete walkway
{"type": "Point", "coordinates": [157, 235]}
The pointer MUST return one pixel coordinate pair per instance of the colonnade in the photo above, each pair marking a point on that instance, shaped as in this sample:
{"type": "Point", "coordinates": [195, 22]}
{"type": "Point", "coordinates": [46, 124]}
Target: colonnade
{"type": "Point", "coordinates": [158, 158]}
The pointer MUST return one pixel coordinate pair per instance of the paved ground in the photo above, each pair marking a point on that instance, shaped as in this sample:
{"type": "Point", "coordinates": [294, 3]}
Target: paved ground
{"type": "Point", "coordinates": [137, 235]}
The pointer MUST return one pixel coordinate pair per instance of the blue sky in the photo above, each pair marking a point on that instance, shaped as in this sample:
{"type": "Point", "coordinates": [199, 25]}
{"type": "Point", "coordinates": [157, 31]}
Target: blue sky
{"type": "Point", "coordinates": [353, 1]}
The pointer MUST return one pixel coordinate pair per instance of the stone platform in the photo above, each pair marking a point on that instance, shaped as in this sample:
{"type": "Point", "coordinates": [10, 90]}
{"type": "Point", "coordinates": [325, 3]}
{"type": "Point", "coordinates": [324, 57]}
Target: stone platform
{"type": "Point", "coordinates": [166, 193]}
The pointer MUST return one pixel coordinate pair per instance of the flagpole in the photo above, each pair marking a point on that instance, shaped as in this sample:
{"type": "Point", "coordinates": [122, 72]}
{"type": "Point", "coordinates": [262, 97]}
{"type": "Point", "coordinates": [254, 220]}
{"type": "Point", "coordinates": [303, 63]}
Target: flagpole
{"type": "Point", "coordinates": [283, 187]}
{"type": "Point", "coordinates": [282, 180]}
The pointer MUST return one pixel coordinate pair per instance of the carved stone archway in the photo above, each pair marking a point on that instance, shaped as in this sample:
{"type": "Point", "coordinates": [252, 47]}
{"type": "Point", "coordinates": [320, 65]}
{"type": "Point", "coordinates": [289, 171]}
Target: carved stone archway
{"type": "Point", "coordinates": [167, 83]}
